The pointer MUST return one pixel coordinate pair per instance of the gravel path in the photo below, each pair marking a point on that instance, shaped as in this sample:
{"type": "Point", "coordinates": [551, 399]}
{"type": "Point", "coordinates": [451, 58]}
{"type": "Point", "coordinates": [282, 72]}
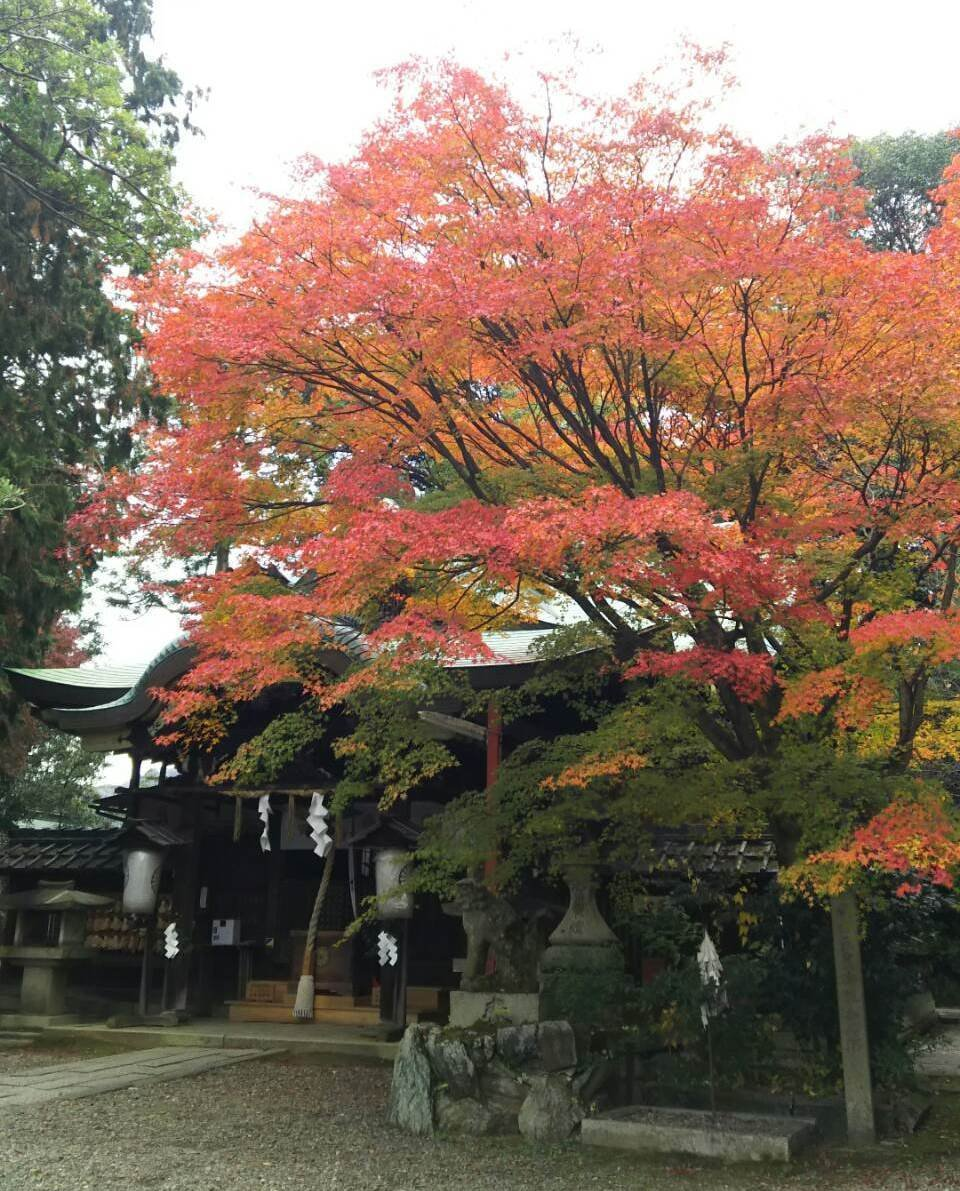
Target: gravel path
{"type": "Point", "coordinates": [292, 1126]}
{"type": "Point", "coordinates": [19, 1061]}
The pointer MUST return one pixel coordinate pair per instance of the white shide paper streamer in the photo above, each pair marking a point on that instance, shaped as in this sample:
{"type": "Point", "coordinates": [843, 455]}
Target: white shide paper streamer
{"type": "Point", "coordinates": [263, 810]}
{"type": "Point", "coordinates": [317, 821]}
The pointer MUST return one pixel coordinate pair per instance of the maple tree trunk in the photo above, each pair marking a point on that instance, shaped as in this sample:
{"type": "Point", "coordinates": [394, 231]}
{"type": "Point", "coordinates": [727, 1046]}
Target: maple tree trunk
{"type": "Point", "coordinates": [911, 699]}
{"type": "Point", "coordinates": [851, 1007]}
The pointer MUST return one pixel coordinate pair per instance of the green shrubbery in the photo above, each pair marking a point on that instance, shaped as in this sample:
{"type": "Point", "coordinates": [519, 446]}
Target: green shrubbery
{"type": "Point", "coordinates": [780, 1030]}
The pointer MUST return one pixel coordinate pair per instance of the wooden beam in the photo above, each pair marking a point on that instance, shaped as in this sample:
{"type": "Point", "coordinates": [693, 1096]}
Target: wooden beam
{"type": "Point", "coordinates": [454, 725]}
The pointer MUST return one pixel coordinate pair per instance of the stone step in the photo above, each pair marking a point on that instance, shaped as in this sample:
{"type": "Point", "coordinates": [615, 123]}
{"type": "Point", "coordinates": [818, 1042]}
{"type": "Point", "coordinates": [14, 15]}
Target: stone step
{"type": "Point", "coordinates": [286, 996]}
{"type": "Point", "coordinates": [420, 998]}
{"type": "Point", "coordinates": [330, 1014]}
{"type": "Point", "coordinates": [344, 1015]}
{"type": "Point", "coordinates": [280, 993]}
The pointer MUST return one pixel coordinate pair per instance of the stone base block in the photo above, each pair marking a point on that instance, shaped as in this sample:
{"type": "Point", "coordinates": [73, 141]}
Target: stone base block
{"type": "Point", "coordinates": [735, 1137]}
{"type": "Point", "coordinates": [36, 1021]}
{"type": "Point", "coordinates": [468, 1008]}
{"type": "Point", "coordinates": [919, 1013]}
{"type": "Point", "coordinates": [582, 983]}
{"type": "Point", "coordinates": [43, 989]}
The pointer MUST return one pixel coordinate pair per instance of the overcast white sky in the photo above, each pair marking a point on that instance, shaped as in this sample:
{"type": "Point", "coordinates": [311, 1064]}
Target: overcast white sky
{"type": "Point", "coordinates": [288, 77]}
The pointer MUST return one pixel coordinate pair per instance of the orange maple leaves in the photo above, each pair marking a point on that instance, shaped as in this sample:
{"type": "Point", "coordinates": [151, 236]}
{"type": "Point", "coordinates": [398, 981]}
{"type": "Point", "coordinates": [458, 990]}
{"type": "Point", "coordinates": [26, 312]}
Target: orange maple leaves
{"type": "Point", "coordinates": [916, 837]}
{"type": "Point", "coordinates": [892, 645]}
{"type": "Point", "coordinates": [625, 364]}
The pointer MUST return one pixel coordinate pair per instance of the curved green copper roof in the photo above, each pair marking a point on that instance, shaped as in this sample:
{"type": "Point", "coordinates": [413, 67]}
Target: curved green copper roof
{"type": "Point", "coordinates": [76, 686]}
{"type": "Point", "coordinates": [73, 699]}
{"type": "Point", "coordinates": [137, 704]}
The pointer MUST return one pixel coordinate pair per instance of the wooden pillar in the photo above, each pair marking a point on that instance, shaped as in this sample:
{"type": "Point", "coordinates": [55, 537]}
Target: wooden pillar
{"type": "Point", "coordinates": [146, 964]}
{"type": "Point", "coordinates": [494, 756]}
{"type": "Point", "coordinates": [851, 1006]}
{"type": "Point", "coordinates": [185, 892]}
{"type": "Point", "coordinates": [389, 983]}
{"type": "Point", "coordinates": [400, 1013]}
{"type": "Point", "coordinates": [133, 806]}
{"type": "Point", "coordinates": [271, 914]}
{"type": "Point", "coordinates": [146, 968]}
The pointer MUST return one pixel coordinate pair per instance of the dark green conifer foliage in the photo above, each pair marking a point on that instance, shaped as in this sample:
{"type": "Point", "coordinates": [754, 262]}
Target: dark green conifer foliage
{"type": "Point", "coordinates": [87, 128]}
{"type": "Point", "coordinates": [901, 172]}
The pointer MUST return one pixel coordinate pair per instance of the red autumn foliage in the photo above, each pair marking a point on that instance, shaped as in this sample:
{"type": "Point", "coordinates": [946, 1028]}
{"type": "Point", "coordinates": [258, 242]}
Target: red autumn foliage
{"type": "Point", "coordinates": [620, 359]}
{"type": "Point", "coordinates": [917, 838]}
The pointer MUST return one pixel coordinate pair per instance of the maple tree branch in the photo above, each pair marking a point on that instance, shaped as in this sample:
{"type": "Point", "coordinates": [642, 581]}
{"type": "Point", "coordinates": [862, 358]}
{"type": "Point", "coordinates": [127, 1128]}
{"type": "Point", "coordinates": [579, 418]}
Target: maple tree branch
{"type": "Point", "coordinates": [950, 585]}
{"type": "Point", "coordinates": [826, 590]}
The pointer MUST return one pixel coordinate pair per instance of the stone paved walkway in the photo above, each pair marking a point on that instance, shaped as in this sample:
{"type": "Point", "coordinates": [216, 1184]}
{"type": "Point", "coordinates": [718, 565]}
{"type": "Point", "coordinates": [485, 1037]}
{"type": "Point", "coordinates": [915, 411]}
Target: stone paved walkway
{"type": "Point", "coordinates": [88, 1077]}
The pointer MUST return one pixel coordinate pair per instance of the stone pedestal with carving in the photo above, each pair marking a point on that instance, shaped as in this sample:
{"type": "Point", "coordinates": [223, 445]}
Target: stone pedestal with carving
{"type": "Point", "coordinates": [582, 970]}
{"type": "Point", "coordinates": [496, 1008]}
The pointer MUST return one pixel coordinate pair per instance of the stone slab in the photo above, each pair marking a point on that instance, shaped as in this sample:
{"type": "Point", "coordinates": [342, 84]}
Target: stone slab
{"type": "Point", "coordinates": [90, 1077]}
{"type": "Point", "coordinates": [733, 1137]}
{"type": "Point", "coordinates": [31, 1021]}
{"type": "Point", "coordinates": [301, 1037]}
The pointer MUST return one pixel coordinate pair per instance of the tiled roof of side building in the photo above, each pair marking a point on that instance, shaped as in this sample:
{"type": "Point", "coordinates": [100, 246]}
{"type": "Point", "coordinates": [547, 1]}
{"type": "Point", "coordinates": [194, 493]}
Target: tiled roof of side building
{"type": "Point", "coordinates": [682, 854]}
{"type": "Point", "coordinates": [59, 850]}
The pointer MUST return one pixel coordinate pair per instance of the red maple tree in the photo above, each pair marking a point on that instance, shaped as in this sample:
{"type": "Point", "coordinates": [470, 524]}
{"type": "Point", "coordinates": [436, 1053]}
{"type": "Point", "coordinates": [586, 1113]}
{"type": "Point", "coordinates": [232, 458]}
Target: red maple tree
{"type": "Point", "coordinates": [621, 362]}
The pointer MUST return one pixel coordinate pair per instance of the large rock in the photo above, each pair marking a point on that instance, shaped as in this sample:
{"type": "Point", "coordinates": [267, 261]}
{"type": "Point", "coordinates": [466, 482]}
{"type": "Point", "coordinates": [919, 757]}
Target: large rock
{"type": "Point", "coordinates": [517, 1045]}
{"type": "Point", "coordinates": [466, 1116]}
{"type": "Point", "coordinates": [452, 1065]}
{"type": "Point", "coordinates": [501, 1089]}
{"type": "Point", "coordinates": [481, 1047]}
{"type": "Point", "coordinates": [550, 1111]}
{"type": "Point", "coordinates": [556, 1046]}
{"type": "Point", "coordinates": [488, 1081]}
{"type": "Point", "coordinates": [411, 1093]}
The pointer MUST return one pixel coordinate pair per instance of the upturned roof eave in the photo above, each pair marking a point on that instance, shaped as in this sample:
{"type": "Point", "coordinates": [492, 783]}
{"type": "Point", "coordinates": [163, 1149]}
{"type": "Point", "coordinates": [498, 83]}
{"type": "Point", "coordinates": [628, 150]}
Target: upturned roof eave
{"type": "Point", "coordinates": [513, 659]}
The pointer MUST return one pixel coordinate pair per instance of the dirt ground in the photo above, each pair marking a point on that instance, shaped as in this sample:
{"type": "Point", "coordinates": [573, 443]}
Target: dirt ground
{"type": "Point", "coordinates": [292, 1124]}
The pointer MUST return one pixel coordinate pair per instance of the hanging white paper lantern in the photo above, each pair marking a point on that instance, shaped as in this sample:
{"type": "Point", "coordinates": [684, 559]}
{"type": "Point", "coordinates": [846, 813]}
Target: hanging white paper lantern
{"type": "Point", "coordinates": [141, 879]}
{"type": "Point", "coordinates": [392, 902]}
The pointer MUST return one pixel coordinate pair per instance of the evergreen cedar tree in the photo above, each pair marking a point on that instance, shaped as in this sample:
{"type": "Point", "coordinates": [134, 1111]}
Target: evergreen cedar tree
{"type": "Point", "coordinates": [86, 148]}
{"type": "Point", "coordinates": [46, 774]}
{"type": "Point", "coordinates": [626, 360]}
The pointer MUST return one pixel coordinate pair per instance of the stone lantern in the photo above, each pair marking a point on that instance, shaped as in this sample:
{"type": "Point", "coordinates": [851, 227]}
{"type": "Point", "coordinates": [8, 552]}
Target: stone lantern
{"type": "Point", "coordinates": [582, 969]}
{"type": "Point", "coordinates": [48, 935]}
